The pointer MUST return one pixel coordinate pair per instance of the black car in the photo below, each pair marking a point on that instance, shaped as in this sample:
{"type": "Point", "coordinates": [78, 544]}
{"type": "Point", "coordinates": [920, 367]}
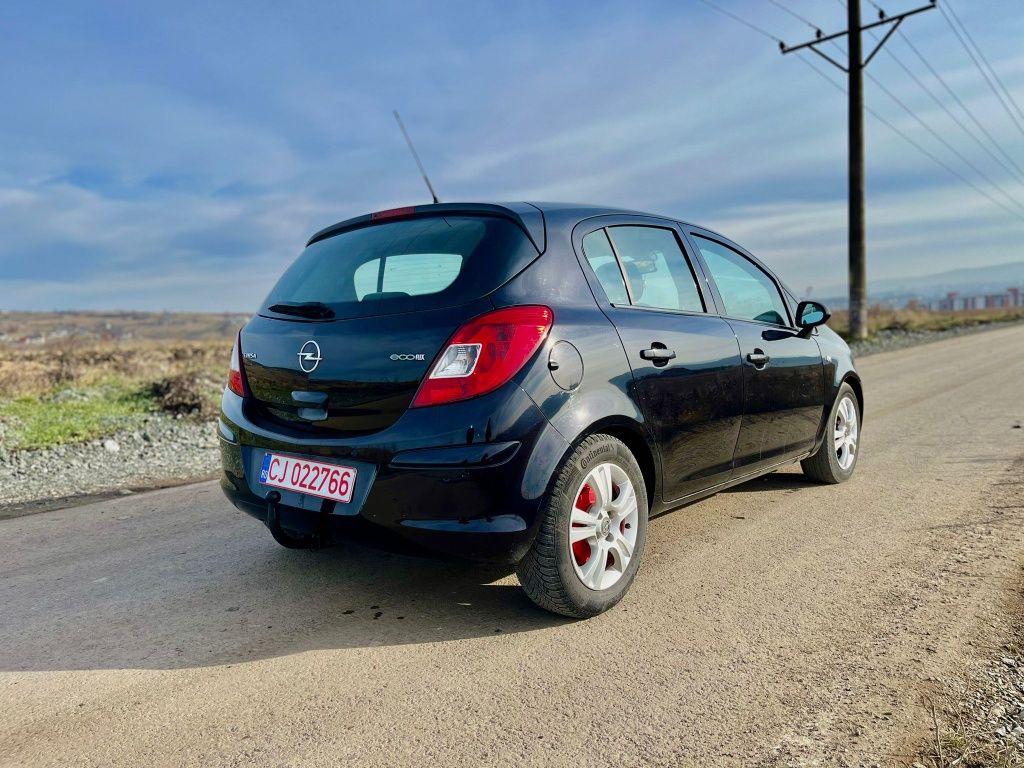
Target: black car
{"type": "Point", "coordinates": [526, 383]}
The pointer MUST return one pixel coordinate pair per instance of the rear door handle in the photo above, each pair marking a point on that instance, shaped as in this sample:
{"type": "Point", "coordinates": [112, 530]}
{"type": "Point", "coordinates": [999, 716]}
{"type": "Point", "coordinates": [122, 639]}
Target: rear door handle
{"type": "Point", "coordinates": [658, 353]}
{"type": "Point", "coordinates": [758, 359]}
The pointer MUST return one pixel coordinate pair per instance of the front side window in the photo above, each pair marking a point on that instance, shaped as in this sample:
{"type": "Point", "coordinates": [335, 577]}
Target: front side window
{"type": "Point", "coordinates": [602, 260]}
{"type": "Point", "coordinates": [658, 272]}
{"type": "Point", "coordinates": [747, 290]}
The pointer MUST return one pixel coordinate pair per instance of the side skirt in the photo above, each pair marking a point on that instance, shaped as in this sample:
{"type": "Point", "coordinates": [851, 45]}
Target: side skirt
{"type": "Point", "coordinates": [712, 490]}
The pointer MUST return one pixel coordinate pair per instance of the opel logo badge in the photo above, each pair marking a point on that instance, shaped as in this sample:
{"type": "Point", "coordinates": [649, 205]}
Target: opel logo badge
{"type": "Point", "coordinates": [309, 356]}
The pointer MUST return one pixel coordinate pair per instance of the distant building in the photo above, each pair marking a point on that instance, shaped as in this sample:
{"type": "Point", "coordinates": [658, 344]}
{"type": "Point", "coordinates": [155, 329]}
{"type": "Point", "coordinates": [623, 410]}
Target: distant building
{"type": "Point", "coordinates": [954, 302]}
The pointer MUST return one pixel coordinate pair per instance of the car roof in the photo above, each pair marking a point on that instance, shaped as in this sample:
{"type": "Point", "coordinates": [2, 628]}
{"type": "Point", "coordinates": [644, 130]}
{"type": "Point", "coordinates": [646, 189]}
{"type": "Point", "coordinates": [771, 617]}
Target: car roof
{"type": "Point", "coordinates": [538, 220]}
{"type": "Point", "coordinates": [534, 217]}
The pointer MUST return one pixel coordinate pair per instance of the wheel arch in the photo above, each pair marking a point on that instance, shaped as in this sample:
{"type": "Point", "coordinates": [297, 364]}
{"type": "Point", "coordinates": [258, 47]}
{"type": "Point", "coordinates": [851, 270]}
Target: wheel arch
{"type": "Point", "coordinates": [633, 436]}
{"type": "Point", "coordinates": [853, 380]}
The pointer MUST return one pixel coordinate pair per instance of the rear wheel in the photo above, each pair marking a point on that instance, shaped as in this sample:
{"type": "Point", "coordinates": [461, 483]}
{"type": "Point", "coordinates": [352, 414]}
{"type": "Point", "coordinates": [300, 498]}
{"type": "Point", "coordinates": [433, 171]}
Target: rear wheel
{"type": "Point", "coordinates": [837, 458]}
{"type": "Point", "coordinates": [592, 536]}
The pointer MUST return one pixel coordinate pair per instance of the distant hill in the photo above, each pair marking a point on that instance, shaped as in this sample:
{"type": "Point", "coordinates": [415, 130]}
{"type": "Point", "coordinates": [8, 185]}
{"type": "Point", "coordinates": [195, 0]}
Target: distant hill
{"type": "Point", "coordinates": [43, 327]}
{"type": "Point", "coordinates": [967, 281]}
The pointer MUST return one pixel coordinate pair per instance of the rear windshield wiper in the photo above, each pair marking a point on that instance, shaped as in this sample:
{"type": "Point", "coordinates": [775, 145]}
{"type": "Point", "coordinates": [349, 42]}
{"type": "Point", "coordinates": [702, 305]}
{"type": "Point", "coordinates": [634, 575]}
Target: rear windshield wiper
{"type": "Point", "coordinates": [316, 310]}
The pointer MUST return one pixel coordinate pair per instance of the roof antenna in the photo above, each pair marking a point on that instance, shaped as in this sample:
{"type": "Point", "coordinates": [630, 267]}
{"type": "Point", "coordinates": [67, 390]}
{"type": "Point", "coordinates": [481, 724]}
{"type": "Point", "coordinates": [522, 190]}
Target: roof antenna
{"type": "Point", "coordinates": [416, 157]}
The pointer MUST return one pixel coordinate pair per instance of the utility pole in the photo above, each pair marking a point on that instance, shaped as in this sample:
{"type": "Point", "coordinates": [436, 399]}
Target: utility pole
{"type": "Point", "coordinates": [854, 68]}
{"type": "Point", "coordinates": [858, 277]}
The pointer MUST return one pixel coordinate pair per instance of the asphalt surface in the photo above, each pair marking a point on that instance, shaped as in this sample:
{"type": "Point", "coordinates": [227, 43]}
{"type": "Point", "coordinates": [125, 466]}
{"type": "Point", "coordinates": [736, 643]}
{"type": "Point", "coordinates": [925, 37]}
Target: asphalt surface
{"type": "Point", "coordinates": [780, 623]}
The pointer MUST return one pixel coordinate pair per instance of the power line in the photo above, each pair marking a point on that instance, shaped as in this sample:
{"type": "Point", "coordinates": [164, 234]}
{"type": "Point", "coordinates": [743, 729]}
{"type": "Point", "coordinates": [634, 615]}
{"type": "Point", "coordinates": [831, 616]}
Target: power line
{"type": "Point", "coordinates": [952, 116]}
{"type": "Point", "coordinates": [905, 108]}
{"type": "Point", "coordinates": [742, 21]}
{"type": "Point", "coordinates": [981, 53]}
{"type": "Point", "coordinates": [914, 144]}
{"type": "Point", "coordinates": [854, 68]}
{"type": "Point", "coordinates": [795, 15]}
{"type": "Point", "coordinates": [981, 69]}
{"type": "Point", "coordinates": [941, 140]}
{"type": "Point", "coordinates": [978, 124]}
{"type": "Point", "coordinates": [934, 133]}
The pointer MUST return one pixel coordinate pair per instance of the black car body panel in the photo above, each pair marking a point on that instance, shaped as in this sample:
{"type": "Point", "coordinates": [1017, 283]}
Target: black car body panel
{"type": "Point", "coordinates": [362, 389]}
{"type": "Point", "coordinates": [468, 478]}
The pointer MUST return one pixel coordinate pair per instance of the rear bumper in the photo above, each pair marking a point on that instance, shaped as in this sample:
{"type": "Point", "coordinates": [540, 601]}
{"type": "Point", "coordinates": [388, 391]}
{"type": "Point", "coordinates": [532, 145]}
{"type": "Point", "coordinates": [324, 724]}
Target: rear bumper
{"type": "Point", "coordinates": [464, 479]}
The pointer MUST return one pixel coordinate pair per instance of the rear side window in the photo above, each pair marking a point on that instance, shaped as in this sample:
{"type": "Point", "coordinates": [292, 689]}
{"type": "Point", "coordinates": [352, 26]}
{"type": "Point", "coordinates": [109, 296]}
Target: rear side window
{"type": "Point", "coordinates": [659, 274]}
{"type": "Point", "coordinates": [747, 290]}
{"type": "Point", "coordinates": [602, 260]}
{"type": "Point", "coordinates": [404, 266]}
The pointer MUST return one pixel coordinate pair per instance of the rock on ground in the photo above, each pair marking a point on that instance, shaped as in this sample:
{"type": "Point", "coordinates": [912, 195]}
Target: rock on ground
{"type": "Point", "coordinates": [164, 449]}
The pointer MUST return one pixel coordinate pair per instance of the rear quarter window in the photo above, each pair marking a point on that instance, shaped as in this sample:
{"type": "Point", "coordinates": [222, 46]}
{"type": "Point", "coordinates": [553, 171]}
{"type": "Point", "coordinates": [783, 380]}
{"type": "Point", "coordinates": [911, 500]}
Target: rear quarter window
{"type": "Point", "coordinates": [405, 266]}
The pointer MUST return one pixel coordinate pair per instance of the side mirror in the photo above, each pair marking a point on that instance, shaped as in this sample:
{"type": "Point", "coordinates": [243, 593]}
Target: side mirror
{"type": "Point", "coordinates": [809, 315]}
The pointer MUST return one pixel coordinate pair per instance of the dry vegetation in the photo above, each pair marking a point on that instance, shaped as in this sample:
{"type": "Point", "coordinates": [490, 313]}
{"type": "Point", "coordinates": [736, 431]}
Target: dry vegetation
{"type": "Point", "coordinates": [69, 390]}
{"type": "Point", "coordinates": [920, 320]}
{"type": "Point", "coordinates": [106, 326]}
{"type": "Point", "coordinates": [35, 371]}
{"type": "Point", "coordinates": [980, 721]}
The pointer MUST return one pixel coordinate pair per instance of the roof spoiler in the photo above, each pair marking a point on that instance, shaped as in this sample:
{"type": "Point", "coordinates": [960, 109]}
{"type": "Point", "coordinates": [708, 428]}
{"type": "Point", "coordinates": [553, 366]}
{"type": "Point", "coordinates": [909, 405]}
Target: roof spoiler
{"type": "Point", "coordinates": [527, 216]}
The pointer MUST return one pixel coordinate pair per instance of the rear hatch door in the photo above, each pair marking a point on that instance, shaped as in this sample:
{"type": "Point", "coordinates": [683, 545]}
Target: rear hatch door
{"type": "Point", "coordinates": [352, 327]}
{"type": "Point", "coordinates": [361, 372]}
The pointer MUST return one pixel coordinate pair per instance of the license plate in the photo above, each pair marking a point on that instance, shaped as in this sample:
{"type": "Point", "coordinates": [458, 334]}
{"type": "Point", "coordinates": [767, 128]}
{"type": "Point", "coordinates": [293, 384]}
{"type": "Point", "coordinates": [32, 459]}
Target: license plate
{"type": "Point", "coordinates": [328, 481]}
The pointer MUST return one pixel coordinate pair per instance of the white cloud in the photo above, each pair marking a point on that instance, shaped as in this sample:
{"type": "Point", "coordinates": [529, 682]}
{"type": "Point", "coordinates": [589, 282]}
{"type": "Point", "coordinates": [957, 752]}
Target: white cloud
{"type": "Point", "coordinates": [187, 167]}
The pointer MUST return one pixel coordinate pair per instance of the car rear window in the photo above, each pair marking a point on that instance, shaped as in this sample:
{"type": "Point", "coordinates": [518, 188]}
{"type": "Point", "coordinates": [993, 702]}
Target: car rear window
{"type": "Point", "coordinates": [405, 266]}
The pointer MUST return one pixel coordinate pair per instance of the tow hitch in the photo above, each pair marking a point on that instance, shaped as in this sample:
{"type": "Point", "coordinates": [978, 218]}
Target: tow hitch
{"type": "Point", "coordinates": [319, 538]}
{"type": "Point", "coordinates": [272, 522]}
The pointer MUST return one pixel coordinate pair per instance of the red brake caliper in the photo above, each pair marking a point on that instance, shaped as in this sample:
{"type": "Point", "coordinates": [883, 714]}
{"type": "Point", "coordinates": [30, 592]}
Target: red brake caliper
{"type": "Point", "coordinates": [586, 499]}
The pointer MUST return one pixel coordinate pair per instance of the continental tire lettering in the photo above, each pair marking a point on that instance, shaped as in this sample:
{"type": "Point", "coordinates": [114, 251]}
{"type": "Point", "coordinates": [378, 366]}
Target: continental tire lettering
{"type": "Point", "coordinates": [595, 454]}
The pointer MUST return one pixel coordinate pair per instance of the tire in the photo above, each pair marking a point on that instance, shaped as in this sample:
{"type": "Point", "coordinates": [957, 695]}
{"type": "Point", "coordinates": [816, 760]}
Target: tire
{"type": "Point", "coordinates": [833, 463]}
{"type": "Point", "coordinates": [611, 536]}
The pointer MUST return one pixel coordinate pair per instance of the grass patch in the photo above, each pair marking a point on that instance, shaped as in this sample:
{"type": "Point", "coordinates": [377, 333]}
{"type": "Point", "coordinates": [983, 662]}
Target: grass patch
{"type": "Point", "coordinates": [71, 391]}
{"type": "Point", "coordinates": [71, 415]}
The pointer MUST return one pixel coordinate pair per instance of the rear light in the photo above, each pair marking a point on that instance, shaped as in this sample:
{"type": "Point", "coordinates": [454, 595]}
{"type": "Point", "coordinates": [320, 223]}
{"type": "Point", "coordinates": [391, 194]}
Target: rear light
{"type": "Point", "coordinates": [393, 213]}
{"type": "Point", "coordinates": [236, 376]}
{"type": "Point", "coordinates": [484, 354]}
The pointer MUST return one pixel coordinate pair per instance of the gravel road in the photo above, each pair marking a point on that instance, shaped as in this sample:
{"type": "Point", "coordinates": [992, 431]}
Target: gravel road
{"type": "Point", "coordinates": [165, 450]}
{"type": "Point", "coordinates": [780, 623]}
{"type": "Point", "coordinates": [891, 340]}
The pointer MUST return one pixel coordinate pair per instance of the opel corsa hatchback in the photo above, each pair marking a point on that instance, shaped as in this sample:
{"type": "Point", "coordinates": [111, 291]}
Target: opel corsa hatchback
{"type": "Point", "coordinates": [526, 383]}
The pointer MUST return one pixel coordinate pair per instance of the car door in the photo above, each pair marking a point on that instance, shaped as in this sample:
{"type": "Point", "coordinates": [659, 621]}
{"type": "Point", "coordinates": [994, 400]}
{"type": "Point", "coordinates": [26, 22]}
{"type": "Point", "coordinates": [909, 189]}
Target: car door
{"type": "Point", "coordinates": [687, 376]}
{"type": "Point", "coordinates": [783, 376]}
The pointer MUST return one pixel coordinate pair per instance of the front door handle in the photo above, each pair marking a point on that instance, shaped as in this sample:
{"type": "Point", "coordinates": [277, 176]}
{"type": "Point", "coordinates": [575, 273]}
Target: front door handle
{"type": "Point", "coordinates": [658, 353]}
{"type": "Point", "coordinates": [758, 359]}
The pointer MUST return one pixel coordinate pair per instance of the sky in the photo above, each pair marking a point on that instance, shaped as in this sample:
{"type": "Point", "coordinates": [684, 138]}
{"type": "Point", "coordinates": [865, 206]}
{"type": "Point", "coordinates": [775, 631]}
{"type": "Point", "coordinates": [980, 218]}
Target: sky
{"type": "Point", "coordinates": [176, 156]}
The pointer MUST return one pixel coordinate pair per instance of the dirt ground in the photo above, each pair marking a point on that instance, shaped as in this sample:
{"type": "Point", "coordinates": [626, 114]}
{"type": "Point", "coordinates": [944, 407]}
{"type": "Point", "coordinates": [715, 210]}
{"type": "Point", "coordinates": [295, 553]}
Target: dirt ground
{"type": "Point", "coordinates": [780, 623]}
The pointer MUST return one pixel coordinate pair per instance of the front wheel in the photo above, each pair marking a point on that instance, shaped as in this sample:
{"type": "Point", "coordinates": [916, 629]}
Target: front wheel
{"type": "Point", "coordinates": [837, 457]}
{"type": "Point", "coordinates": [593, 532]}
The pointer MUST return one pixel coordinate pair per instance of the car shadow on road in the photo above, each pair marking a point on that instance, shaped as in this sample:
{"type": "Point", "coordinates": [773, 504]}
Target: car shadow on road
{"type": "Point", "coordinates": [777, 481]}
{"type": "Point", "coordinates": [260, 601]}
{"type": "Point", "coordinates": [179, 587]}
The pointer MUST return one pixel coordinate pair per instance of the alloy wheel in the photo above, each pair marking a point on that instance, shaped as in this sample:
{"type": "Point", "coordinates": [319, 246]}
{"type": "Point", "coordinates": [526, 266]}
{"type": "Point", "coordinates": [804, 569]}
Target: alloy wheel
{"type": "Point", "coordinates": [846, 433]}
{"type": "Point", "coordinates": [603, 526]}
